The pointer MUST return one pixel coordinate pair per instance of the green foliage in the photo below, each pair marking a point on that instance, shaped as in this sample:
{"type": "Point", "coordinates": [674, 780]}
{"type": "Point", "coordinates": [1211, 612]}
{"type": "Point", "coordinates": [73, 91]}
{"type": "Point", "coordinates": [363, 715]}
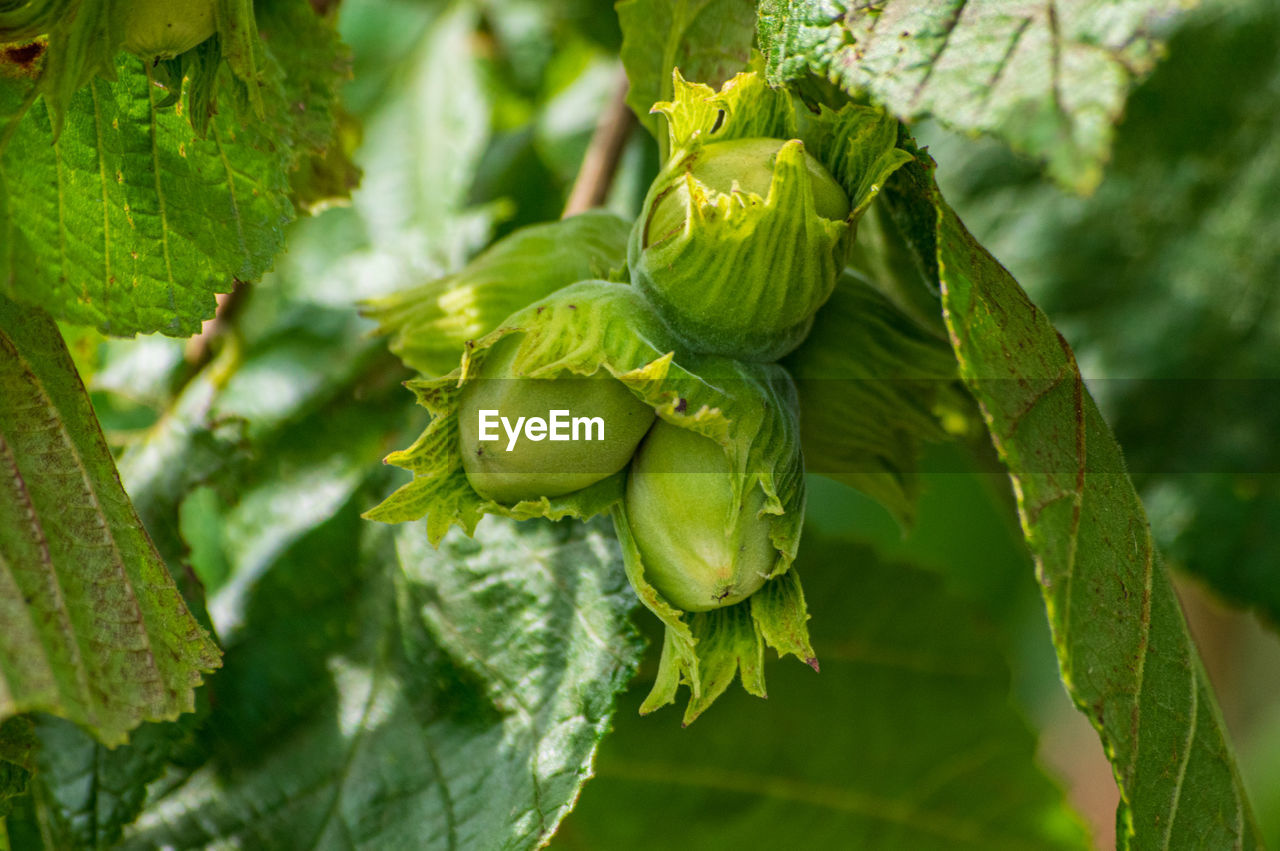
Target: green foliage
{"type": "Point", "coordinates": [873, 387]}
{"type": "Point", "coordinates": [81, 43]}
{"type": "Point", "coordinates": [857, 756]}
{"type": "Point", "coordinates": [17, 761]}
{"type": "Point", "coordinates": [1122, 642]}
{"type": "Point", "coordinates": [96, 631]}
{"type": "Point", "coordinates": [91, 793]}
{"type": "Point", "coordinates": [453, 698]}
{"type": "Point", "coordinates": [132, 221]}
{"type": "Point", "coordinates": [131, 216]}
{"type": "Point", "coordinates": [429, 324]}
{"type": "Point", "coordinates": [378, 691]}
{"type": "Point", "coordinates": [313, 65]}
{"type": "Point", "coordinates": [1050, 81]}
{"type": "Point", "coordinates": [1180, 332]}
{"type": "Point", "coordinates": [708, 40]}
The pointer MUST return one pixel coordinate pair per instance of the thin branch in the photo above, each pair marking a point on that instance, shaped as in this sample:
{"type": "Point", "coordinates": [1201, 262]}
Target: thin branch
{"type": "Point", "coordinates": [591, 187]}
{"type": "Point", "coordinates": [198, 350]}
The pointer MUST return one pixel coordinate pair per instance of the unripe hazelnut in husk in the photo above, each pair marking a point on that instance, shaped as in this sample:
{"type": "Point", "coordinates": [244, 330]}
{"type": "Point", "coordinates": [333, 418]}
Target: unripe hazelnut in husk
{"type": "Point", "coordinates": [739, 244]}
{"type": "Point", "coordinates": [162, 29]}
{"type": "Point", "coordinates": [748, 163]}
{"type": "Point", "coordinates": [701, 549]}
{"type": "Point", "coordinates": [533, 469]}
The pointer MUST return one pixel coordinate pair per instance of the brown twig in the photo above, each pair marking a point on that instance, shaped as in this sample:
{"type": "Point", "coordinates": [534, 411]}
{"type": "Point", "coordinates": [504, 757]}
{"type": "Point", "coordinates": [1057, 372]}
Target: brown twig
{"type": "Point", "coordinates": [198, 349]}
{"type": "Point", "coordinates": [591, 186]}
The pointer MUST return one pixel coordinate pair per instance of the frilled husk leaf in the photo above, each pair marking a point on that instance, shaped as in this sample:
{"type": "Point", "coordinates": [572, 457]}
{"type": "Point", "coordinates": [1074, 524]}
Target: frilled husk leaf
{"type": "Point", "coordinates": [746, 274]}
{"type": "Point", "coordinates": [429, 324]}
{"type": "Point", "coordinates": [856, 143]}
{"type": "Point", "coordinates": [874, 387]}
{"type": "Point", "coordinates": [705, 650]}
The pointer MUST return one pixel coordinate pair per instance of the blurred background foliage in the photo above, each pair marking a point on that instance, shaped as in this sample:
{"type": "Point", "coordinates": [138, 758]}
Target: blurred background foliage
{"type": "Point", "coordinates": [251, 450]}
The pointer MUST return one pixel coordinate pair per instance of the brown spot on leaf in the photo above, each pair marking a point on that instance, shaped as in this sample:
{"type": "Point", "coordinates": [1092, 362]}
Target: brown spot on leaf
{"type": "Point", "coordinates": [22, 59]}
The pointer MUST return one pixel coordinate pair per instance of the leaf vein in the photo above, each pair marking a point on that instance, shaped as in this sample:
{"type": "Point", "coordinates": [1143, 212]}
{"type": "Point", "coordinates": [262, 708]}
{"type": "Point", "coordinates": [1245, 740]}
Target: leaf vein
{"type": "Point", "coordinates": [950, 28]}
{"type": "Point", "coordinates": [1182, 767]}
{"type": "Point", "coordinates": [235, 204]}
{"type": "Point", "coordinates": [106, 210]}
{"type": "Point", "coordinates": [160, 197]}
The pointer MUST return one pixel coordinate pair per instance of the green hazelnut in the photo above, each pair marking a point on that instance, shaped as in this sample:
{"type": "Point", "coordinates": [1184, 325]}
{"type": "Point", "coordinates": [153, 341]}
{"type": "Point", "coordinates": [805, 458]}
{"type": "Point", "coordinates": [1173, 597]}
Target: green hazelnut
{"type": "Point", "coordinates": [701, 550]}
{"type": "Point", "coordinates": [748, 163]}
{"type": "Point", "coordinates": [535, 467]}
{"type": "Point", "coordinates": [162, 29]}
{"type": "Point", "coordinates": [739, 245]}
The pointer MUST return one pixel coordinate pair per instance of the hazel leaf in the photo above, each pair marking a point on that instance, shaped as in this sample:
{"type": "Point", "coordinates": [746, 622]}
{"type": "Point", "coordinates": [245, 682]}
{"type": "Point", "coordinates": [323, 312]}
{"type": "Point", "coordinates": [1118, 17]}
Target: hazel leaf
{"type": "Point", "coordinates": [1049, 80]}
{"type": "Point", "coordinates": [436, 698]}
{"type": "Point", "coordinates": [95, 629]}
{"type": "Point", "coordinates": [857, 757]}
{"type": "Point", "coordinates": [1123, 646]}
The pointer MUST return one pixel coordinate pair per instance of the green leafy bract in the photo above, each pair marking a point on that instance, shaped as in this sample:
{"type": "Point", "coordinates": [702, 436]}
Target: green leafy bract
{"type": "Point", "coordinates": [873, 386]}
{"type": "Point", "coordinates": [857, 144]}
{"type": "Point", "coordinates": [429, 325]}
{"type": "Point", "coordinates": [95, 629]}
